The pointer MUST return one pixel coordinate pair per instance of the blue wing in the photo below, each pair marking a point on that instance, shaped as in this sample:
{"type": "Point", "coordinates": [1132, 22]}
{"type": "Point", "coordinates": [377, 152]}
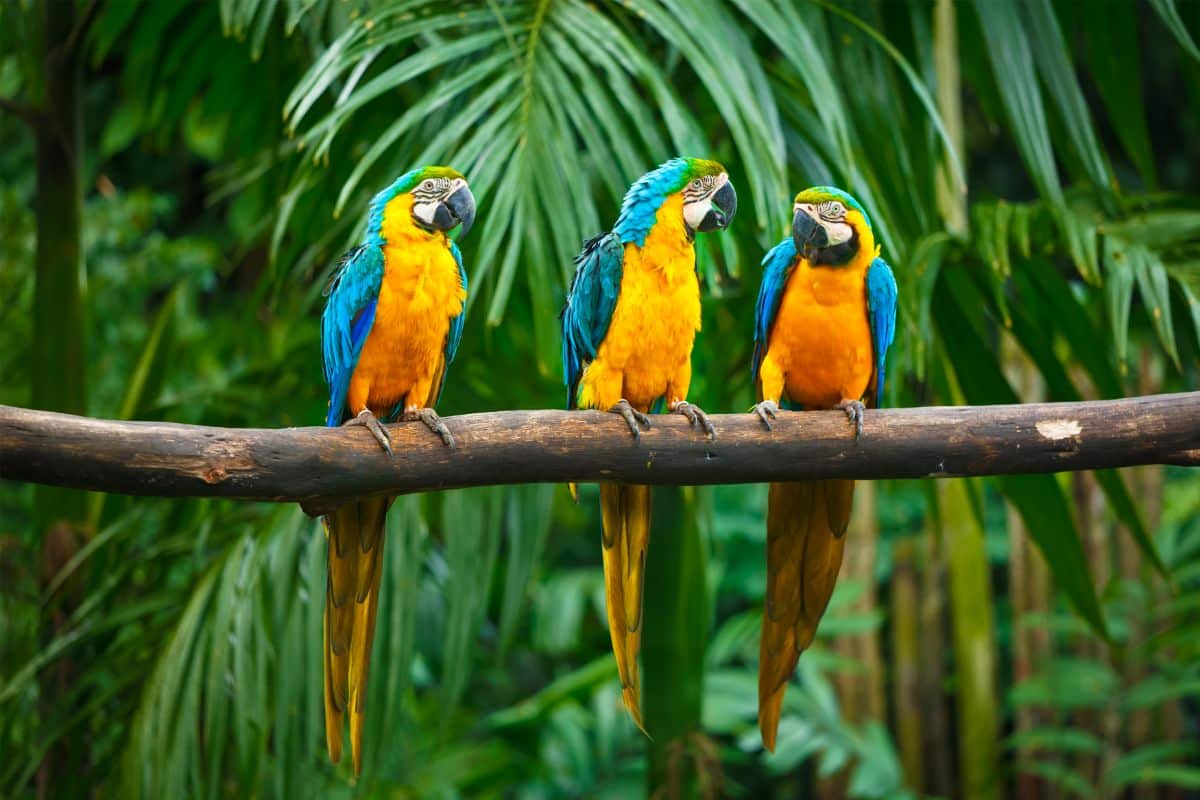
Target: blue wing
{"type": "Point", "coordinates": [347, 319]}
{"type": "Point", "coordinates": [776, 263]}
{"type": "Point", "coordinates": [590, 303]}
{"type": "Point", "coordinates": [881, 310]}
{"type": "Point", "coordinates": [456, 325]}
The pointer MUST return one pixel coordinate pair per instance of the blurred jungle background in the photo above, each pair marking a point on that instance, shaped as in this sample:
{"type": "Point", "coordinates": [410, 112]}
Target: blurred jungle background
{"type": "Point", "coordinates": [178, 180]}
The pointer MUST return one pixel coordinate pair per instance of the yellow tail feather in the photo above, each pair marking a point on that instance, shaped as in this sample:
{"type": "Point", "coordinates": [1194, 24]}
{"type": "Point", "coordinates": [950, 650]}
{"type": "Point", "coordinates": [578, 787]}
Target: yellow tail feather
{"type": "Point", "coordinates": [806, 527]}
{"type": "Point", "coordinates": [355, 533]}
{"type": "Point", "coordinates": [625, 511]}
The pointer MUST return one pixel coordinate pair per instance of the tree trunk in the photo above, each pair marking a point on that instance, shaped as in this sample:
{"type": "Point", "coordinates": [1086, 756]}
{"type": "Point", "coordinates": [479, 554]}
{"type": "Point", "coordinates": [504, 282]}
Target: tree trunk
{"type": "Point", "coordinates": [974, 644]}
{"type": "Point", "coordinates": [682, 762]}
{"type": "Point", "coordinates": [59, 346]}
{"type": "Point", "coordinates": [59, 342]}
{"type": "Point", "coordinates": [1147, 483]}
{"type": "Point", "coordinates": [1027, 588]}
{"type": "Point", "coordinates": [860, 694]}
{"type": "Point", "coordinates": [905, 627]}
{"type": "Point", "coordinates": [937, 736]}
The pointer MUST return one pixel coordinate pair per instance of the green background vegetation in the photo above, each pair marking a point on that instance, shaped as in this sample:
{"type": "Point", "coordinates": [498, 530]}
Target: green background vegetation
{"type": "Point", "coordinates": [178, 180]}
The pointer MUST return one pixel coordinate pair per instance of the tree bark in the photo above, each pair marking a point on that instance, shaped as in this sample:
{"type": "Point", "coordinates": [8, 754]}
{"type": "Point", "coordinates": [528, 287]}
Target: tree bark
{"type": "Point", "coordinates": [59, 342]}
{"type": "Point", "coordinates": [972, 622]}
{"type": "Point", "coordinates": [512, 447]}
{"type": "Point", "coordinates": [1024, 591]}
{"type": "Point", "coordinates": [683, 763]}
{"type": "Point", "coordinates": [861, 692]}
{"type": "Point", "coordinates": [908, 703]}
{"type": "Point", "coordinates": [935, 720]}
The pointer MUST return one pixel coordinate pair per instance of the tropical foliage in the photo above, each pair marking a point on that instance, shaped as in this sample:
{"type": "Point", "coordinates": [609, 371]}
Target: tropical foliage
{"type": "Point", "coordinates": [1032, 167]}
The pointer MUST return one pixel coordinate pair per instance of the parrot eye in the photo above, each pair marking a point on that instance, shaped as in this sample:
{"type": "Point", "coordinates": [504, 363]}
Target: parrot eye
{"type": "Point", "coordinates": [832, 209]}
{"type": "Point", "coordinates": [426, 184]}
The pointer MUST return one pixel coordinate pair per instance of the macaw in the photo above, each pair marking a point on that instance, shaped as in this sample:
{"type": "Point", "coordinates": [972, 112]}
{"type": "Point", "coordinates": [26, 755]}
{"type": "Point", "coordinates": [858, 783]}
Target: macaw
{"type": "Point", "coordinates": [391, 326]}
{"type": "Point", "coordinates": [628, 325]}
{"type": "Point", "coordinates": [825, 318]}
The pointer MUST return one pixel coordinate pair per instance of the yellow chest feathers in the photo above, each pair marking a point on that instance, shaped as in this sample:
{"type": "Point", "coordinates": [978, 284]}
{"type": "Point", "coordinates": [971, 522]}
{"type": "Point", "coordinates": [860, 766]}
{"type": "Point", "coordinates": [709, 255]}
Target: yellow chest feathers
{"type": "Point", "coordinates": [654, 324]}
{"type": "Point", "coordinates": [821, 339]}
{"type": "Point", "coordinates": [420, 293]}
{"type": "Point", "coordinates": [421, 283]}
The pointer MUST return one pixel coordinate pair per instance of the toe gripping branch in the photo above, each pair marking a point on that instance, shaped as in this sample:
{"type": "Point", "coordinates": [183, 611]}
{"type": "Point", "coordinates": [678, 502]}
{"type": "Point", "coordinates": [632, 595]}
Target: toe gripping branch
{"type": "Point", "coordinates": [635, 419]}
{"type": "Point", "coordinates": [766, 410]}
{"type": "Point", "coordinates": [695, 416]}
{"type": "Point", "coordinates": [854, 412]}
{"type": "Point", "coordinates": [432, 421]}
{"type": "Point", "coordinates": [368, 420]}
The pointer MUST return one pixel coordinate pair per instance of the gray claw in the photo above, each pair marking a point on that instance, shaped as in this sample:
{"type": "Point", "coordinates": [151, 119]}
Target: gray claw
{"type": "Point", "coordinates": [368, 420]}
{"type": "Point", "coordinates": [633, 418]}
{"type": "Point", "coordinates": [696, 417]}
{"type": "Point", "coordinates": [433, 422]}
{"type": "Point", "coordinates": [854, 412]}
{"type": "Point", "coordinates": [766, 411]}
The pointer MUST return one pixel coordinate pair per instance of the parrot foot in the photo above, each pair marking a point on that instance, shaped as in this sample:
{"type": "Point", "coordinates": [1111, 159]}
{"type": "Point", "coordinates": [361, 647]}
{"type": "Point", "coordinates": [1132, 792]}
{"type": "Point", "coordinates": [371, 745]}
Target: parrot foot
{"type": "Point", "coordinates": [633, 418]}
{"type": "Point", "coordinates": [368, 420]}
{"type": "Point", "coordinates": [695, 416]}
{"type": "Point", "coordinates": [854, 411]}
{"type": "Point", "coordinates": [432, 421]}
{"type": "Point", "coordinates": [766, 411]}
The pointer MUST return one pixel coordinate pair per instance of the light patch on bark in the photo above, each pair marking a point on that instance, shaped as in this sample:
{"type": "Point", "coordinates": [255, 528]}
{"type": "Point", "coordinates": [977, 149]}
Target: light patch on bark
{"type": "Point", "coordinates": [1055, 429]}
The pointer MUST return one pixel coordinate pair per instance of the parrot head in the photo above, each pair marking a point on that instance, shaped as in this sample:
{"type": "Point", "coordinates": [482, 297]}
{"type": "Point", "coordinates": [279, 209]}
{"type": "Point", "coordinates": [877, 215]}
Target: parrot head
{"type": "Point", "coordinates": [442, 200]}
{"type": "Point", "coordinates": [830, 227]}
{"type": "Point", "coordinates": [709, 200]}
{"type": "Point", "coordinates": [440, 197]}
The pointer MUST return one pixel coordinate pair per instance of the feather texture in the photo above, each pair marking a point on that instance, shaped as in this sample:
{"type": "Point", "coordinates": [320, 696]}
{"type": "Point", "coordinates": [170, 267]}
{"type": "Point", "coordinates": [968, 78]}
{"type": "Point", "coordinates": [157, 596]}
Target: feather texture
{"type": "Point", "coordinates": [821, 336]}
{"type": "Point", "coordinates": [806, 526]}
{"type": "Point", "coordinates": [776, 264]}
{"type": "Point", "coordinates": [628, 325]}
{"type": "Point", "coordinates": [392, 324]}
{"type": "Point", "coordinates": [591, 301]}
{"type": "Point", "coordinates": [347, 321]}
{"type": "Point", "coordinates": [625, 512]}
{"type": "Point", "coordinates": [881, 311]}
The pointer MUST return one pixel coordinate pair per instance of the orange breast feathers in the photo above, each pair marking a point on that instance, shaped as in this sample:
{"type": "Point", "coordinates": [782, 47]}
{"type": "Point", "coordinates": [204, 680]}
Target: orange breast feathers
{"type": "Point", "coordinates": [421, 291]}
{"type": "Point", "coordinates": [819, 350]}
{"type": "Point", "coordinates": [646, 353]}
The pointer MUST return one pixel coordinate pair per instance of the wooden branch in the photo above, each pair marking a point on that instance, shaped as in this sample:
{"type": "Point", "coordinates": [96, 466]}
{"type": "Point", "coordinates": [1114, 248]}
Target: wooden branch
{"type": "Point", "coordinates": [317, 465]}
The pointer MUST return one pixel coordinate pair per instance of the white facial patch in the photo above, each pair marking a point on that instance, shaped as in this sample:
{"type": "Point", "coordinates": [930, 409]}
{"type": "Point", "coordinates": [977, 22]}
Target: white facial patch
{"type": "Point", "coordinates": [698, 196]}
{"type": "Point", "coordinates": [695, 212]}
{"type": "Point", "coordinates": [430, 193]}
{"type": "Point", "coordinates": [424, 211]}
{"type": "Point", "coordinates": [838, 232]}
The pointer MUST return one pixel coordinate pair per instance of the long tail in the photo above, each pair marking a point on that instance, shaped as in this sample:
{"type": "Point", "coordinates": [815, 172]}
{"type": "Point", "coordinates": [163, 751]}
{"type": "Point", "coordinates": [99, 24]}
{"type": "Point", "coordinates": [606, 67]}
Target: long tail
{"type": "Point", "coordinates": [625, 510]}
{"type": "Point", "coordinates": [806, 526]}
{"type": "Point", "coordinates": [355, 533]}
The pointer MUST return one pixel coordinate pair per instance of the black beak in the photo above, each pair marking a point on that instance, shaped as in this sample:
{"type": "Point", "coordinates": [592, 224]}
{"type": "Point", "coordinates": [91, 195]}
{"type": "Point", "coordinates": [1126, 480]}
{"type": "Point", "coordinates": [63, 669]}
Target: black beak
{"type": "Point", "coordinates": [459, 208]}
{"type": "Point", "coordinates": [807, 233]}
{"type": "Point", "coordinates": [724, 206]}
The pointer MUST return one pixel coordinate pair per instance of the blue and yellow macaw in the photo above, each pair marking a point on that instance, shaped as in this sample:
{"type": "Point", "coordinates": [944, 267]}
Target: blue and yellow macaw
{"type": "Point", "coordinates": [825, 319]}
{"type": "Point", "coordinates": [631, 317]}
{"type": "Point", "coordinates": [391, 326]}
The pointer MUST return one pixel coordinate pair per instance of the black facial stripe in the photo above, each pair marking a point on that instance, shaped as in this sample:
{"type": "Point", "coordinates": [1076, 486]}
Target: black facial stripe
{"type": "Point", "coordinates": [836, 255]}
{"type": "Point", "coordinates": [436, 189]}
{"type": "Point", "coordinates": [699, 189]}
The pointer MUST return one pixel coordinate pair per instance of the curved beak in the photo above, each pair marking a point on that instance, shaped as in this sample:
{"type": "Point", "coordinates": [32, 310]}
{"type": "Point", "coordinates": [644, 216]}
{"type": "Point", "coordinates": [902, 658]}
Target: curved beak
{"type": "Point", "coordinates": [807, 233]}
{"type": "Point", "coordinates": [724, 206]}
{"type": "Point", "coordinates": [458, 208]}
